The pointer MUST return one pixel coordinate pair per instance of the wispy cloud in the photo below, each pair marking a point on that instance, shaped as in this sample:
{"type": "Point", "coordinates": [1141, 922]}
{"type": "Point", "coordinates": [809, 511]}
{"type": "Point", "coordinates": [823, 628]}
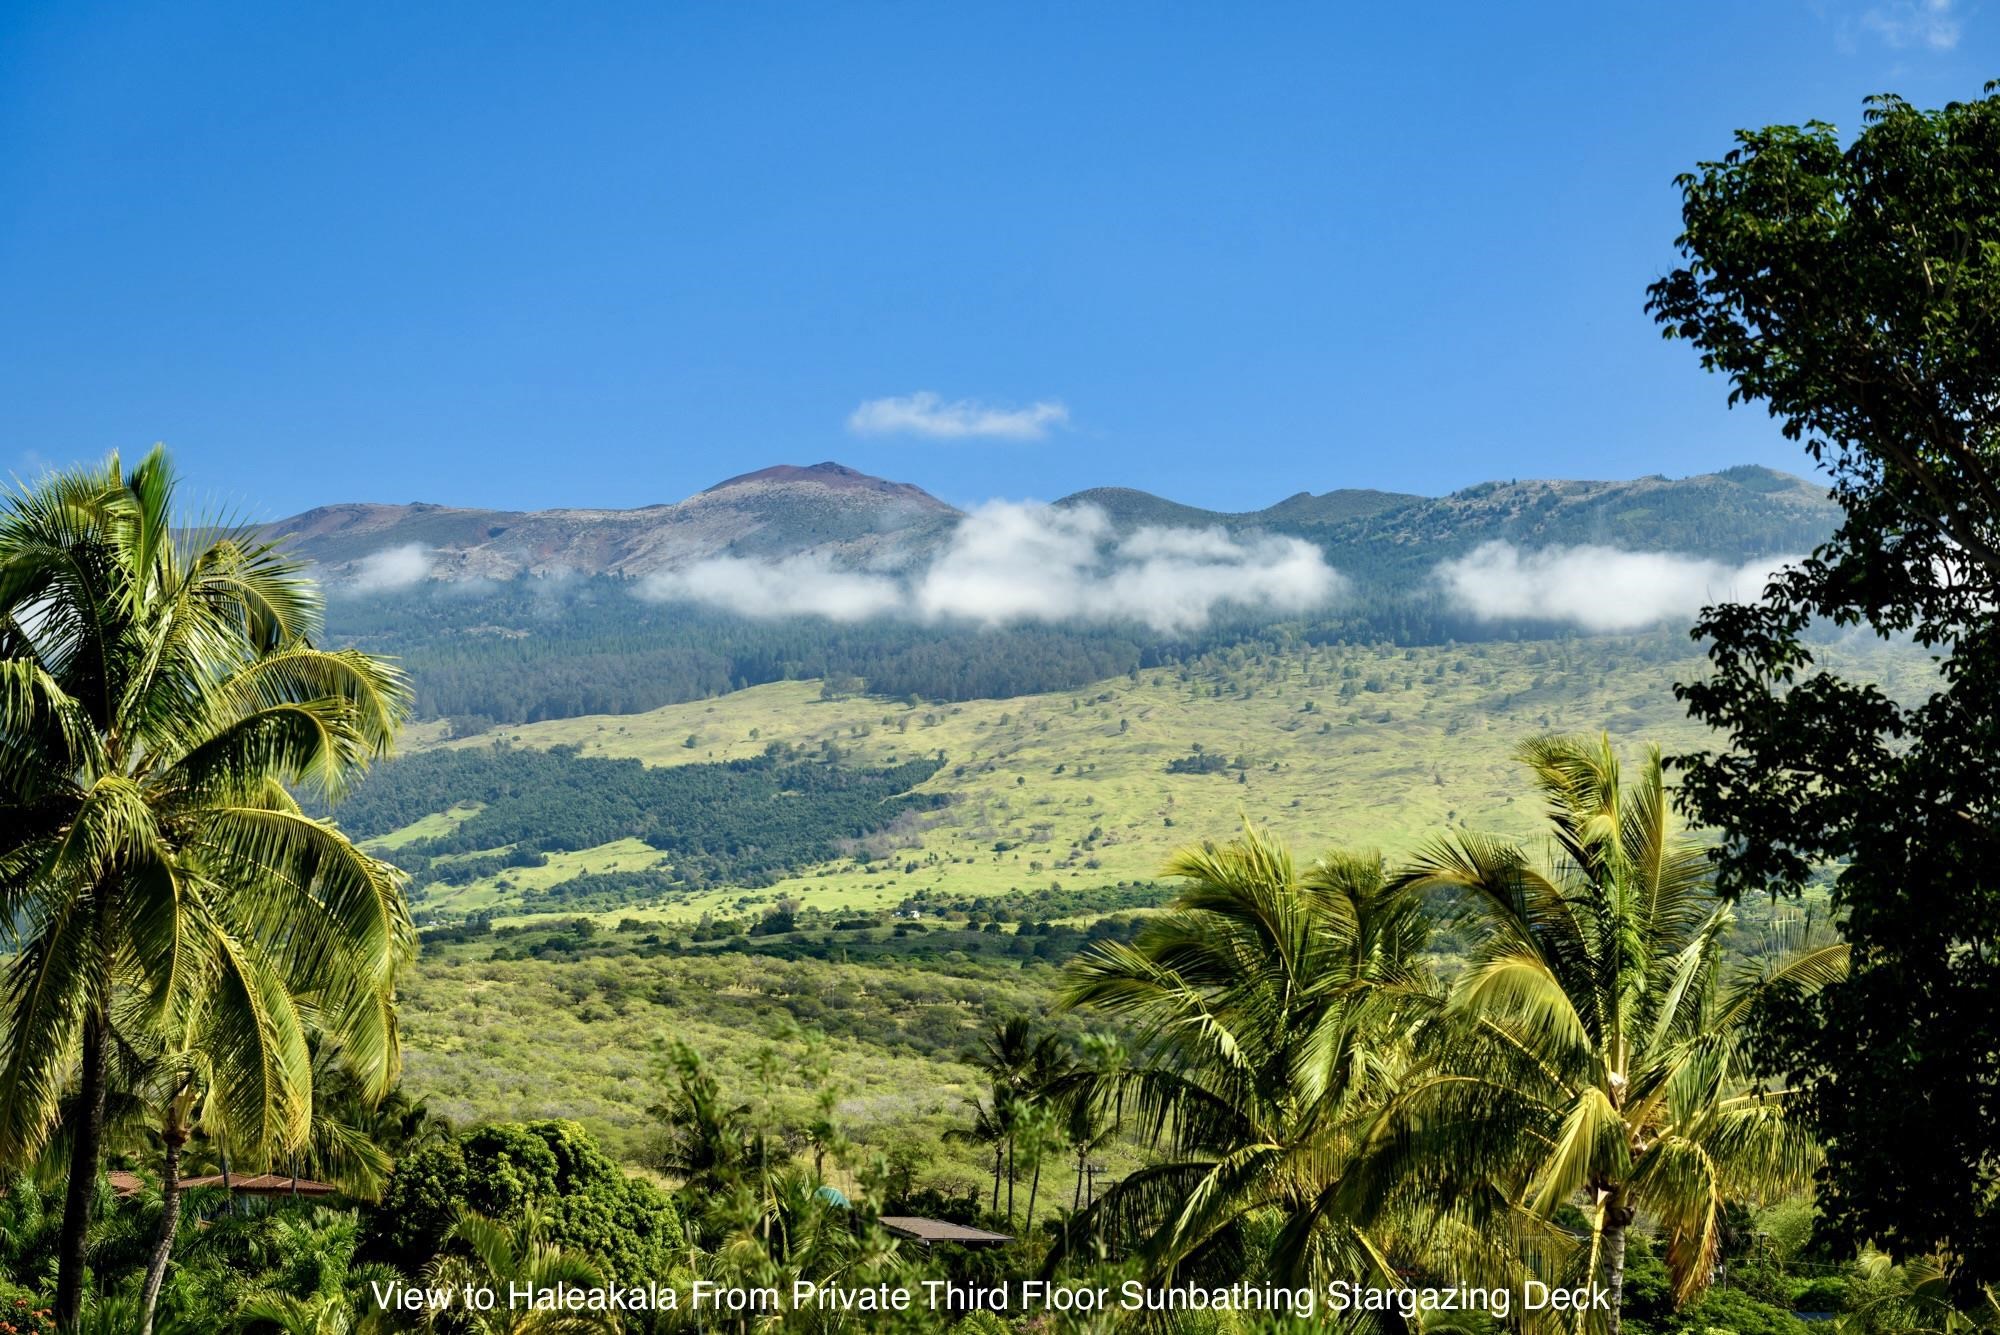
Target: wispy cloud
{"type": "Point", "coordinates": [928, 414]}
{"type": "Point", "coordinates": [1597, 588]}
{"type": "Point", "coordinates": [390, 569]}
{"type": "Point", "coordinates": [1011, 562]}
{"type": "Point", "coordinates": [795, 586]}
{"type": "Point", "coordinates": [1908, 23]}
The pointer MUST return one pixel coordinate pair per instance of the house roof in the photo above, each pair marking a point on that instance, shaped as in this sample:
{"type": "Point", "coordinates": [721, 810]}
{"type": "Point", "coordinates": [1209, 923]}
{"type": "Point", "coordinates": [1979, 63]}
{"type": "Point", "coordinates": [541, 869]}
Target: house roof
{"type": "Point", "coordinates": [928, 1231]}
{"type": "Point", "coordinates": [264, 1184]}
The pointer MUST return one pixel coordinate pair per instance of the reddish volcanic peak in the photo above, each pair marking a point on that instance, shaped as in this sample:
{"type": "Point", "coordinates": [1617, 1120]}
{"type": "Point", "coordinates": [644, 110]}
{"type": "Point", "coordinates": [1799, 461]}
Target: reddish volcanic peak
{"type": "Point", "coordinates": [835, 477]}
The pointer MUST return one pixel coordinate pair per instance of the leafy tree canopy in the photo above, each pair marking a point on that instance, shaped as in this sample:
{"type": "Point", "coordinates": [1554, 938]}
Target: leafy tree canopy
{"type": "Point", "coordinates": [584, 1201]}
{"type": "Point", "coordinates": [1853, 289]}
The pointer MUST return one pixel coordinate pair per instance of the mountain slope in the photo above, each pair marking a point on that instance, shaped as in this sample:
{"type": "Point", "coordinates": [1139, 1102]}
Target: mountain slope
{"type": "Point", "coordinates": [827, 508]}
{"type": "Point", "coordinates": [852, 519]}
{"type": "Point", "coordinates": [1130, 507]}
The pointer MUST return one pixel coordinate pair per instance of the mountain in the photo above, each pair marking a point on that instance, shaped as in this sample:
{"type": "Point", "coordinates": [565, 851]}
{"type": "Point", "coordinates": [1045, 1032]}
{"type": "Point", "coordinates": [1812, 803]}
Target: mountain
{"type": "Point", "coordinates": [1130, 507]}
{"type": "Point", "coordinates": [827, 509]}
{"type": "Point", "coordinates": [1737, 513]}
{"type": "Point", "coordinates": [853, 519]}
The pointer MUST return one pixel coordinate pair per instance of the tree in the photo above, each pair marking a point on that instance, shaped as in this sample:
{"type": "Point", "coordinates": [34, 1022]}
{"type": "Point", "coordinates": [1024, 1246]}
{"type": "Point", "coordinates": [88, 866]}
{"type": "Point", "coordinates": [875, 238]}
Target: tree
{"type": "Point", "coordinates": [501, 1255]}
{"type": "Point", "coordinates": [990, 1116]}
{"type": "Point", "coordinates": [584, 1202]}
{"type": "Point", "coordinates": [159, 696]}
{"type": "Point", "coordinates": [1592, 1051]}
{"type": "Point", "coordinates": [1263, 1006]}
{"type": "Point", "coordinates": [1025, 1067]}
{"type": "Point", "coordinates": [1854, 291]}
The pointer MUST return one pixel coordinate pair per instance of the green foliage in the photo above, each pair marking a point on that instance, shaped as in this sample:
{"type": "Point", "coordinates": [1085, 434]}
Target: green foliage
{"type": "Point", "coordinates": [591, 647]}
{"type": "Point", "coordinates": [161, 890]}
{"type": "Point", "coordinates": [504, 1172]}
{"type": "Point", "coordinates": [306, 1253]}
{"type": "Point", "coordinates": [1593, 1046]}
{"type": "Point", "coordinates": [741, 822]}
{"type": "Point", "coordinates": [1253, 1057]}
{"type": "Point", "coordinates": [1852, 290]}
{"type": "Point", "coordinates": [1736, 1312]}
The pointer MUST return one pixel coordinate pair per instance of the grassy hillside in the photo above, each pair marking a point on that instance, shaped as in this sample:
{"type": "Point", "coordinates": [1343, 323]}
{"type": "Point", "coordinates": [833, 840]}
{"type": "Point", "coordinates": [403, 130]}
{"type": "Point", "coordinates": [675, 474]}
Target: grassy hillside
{"type": "Point", "coordinates": [561, 1013]}
{"type": "Point", "coordinates": [579, 1036]}
{"type": "Point", "coordinates": [1367, 747]}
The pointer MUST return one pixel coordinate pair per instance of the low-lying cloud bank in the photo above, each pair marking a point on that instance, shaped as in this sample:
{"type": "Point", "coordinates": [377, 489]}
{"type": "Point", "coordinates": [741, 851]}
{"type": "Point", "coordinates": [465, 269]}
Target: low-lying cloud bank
{"type": "Point", "coordinates": [1010, 562]}
{"type": "Point", "coordinates": [390, 569]}
{"type": "Point", "coordinates": [1597, 588]}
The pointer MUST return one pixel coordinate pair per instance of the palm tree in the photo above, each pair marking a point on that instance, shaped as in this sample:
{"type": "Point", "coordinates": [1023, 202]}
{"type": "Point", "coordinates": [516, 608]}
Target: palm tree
{"type": "Point", "coordinates": [159, 696]}
{"type": "Point", "coordinates": [1591, 1053]}
{"type": "Point", "coordinates": [1918, 1297]}
{"type": "Point", "coordinates": [498, 1256]}
{"type": "Point", "coordinates": [176, 1085]}
{"type": "Point", "coordinates": [284, 1314]}
{"type": "Point", "coordinates": [706, 1142]}
{"type": "Point", "coordinates": [1266, 1006]}
{"type": "Point", "coordinates": [990, 1126]}
{"type": "Point", "coordinates": [1089, 1124]}
{"type": "Point", "coordinates": [1025, 1067]}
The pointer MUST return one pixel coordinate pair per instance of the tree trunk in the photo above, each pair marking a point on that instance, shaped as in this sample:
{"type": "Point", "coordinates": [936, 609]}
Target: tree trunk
{"type": "Point", "coordinates": [1010, 1182]}
{"type": "Point", "coordinates": [1076, 1197]}
{"type": "Point", "coordinates": [1617, 1224]}
{"type": "Point", "coordinates": [73, 1252]}
{"type": "Point", "coordinates": [170, 1219]}
{"type": "Point", "coordinates": [1034, 1186]}
{"type": "Point", "coordinates": [999, 1149]}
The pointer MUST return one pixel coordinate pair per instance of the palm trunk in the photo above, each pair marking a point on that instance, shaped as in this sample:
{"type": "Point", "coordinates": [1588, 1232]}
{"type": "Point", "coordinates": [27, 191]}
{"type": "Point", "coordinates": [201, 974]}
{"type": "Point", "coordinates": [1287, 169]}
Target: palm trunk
{"type": "Point", "coordinates": [1618, 1224]}
{"type": "Point", "coordinates": [999, 1148]}
{"type": "Point", "coordinates": [1076, 1197]}
{"type": "Point", "coordinates": [1010, 1182]}
{"type": "Point", "coordinates": [170, 1220]}
{"type": "Point", "coordinates": [1034, 1186]}
{"type": "Point", "coordinates": [73, 1251]}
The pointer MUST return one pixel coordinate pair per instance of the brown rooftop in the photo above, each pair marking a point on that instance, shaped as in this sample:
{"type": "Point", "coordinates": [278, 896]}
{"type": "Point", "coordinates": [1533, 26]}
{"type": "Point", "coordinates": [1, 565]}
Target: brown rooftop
{"type": "Point", "coordinates": [264, 1184]}
{"type": "Point", "coordinates": [928, 1231]}
{"type": "Point", "coordinates": [125, 1185]}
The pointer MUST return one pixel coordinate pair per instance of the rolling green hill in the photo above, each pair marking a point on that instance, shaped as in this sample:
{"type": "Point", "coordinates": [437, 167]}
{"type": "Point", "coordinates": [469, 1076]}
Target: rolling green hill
{"type": "Point", "coordinates": [1361, 746]}
{"type": "Point", "coordinates": [1058, 808]}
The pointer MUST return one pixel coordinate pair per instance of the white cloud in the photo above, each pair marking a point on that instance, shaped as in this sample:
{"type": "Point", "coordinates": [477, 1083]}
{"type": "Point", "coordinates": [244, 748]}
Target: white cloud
{"type": "Point", "coordinates": [1023, 562]}
{"type": "Point", "coordinates": [390, 569]}
{"type": "Point", "coordinates": [795, 586]}
{"type": "Point", "coordinates": [928, 414]}
{"type": "Point", "coordinates": [1597, 588]}
{"type": "Point", "coordinates": [1010, 562]}
{"type": "Point", "coordinates": [1906, 23]}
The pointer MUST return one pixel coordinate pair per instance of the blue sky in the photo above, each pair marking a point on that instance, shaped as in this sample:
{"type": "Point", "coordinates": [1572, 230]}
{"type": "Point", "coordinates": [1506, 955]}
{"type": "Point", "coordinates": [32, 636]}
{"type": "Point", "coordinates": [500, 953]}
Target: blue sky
{"type": "Point", "coordinates": [531, 255]}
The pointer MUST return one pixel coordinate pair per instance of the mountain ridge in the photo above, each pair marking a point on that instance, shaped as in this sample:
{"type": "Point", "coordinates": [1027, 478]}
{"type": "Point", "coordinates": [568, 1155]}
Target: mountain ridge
{"type": "Point", "coordinates": [841, 515]}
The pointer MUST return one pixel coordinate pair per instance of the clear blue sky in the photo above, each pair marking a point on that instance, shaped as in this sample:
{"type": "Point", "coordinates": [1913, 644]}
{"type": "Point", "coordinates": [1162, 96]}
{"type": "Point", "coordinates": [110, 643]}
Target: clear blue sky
{"type": "Point", "coordinates": [528, 255]}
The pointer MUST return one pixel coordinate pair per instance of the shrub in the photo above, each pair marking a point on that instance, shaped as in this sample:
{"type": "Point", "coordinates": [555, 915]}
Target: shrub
{"type": "Point", "coordinates": [587, 1202]}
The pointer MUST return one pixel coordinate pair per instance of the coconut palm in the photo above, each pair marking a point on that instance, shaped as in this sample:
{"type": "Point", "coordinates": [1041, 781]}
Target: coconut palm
{"type": "Point", "coordinates": [1024, 1066]}
{"type": "Point", "coordinates": [160, 696]}
{"type": "Point", "coordinates": [1591, 1054]}
{"type": "Point", "coordinates": [1921, 1297]}
{"type": "Point", "coordinates": [503, 1257]}
{"type": "Point", "coordinates": [990, 1125]}
{"type": "Point", "coordinates": [1267, 1006]}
